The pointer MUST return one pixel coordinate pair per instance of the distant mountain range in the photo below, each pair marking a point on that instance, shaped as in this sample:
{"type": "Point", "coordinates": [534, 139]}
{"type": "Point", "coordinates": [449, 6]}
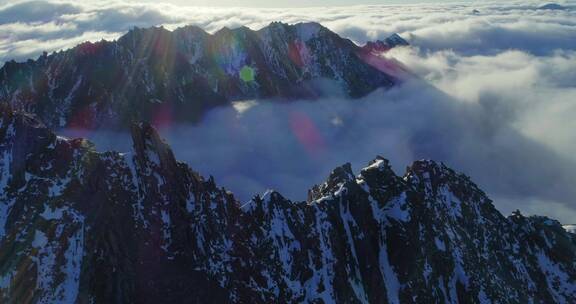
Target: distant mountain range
{"type": "Point", "coordinates": [80, 226]}
{"type": "Point", "coordinates": [158, 75]}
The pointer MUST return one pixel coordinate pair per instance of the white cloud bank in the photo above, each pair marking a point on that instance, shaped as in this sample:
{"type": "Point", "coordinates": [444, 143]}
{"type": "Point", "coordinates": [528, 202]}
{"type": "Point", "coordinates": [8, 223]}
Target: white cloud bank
{"type": "Point", "coordinates": [29, 27]}
{"type": "Point", "coordinates": [507, 119]}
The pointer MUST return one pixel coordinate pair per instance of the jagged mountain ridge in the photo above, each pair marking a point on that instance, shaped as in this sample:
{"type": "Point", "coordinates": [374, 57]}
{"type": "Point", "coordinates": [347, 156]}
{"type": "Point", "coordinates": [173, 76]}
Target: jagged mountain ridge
{"type": "Point", "coordinates": [154, 74]}
{"type": "Point", "coordinates": [82, 226]}
{"type": "Point", "coordinates": [380, 46]}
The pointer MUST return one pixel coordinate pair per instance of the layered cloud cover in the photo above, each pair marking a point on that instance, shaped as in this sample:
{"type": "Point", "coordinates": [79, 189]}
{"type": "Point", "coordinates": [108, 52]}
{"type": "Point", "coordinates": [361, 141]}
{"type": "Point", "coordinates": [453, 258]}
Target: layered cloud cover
{"type": "Point", "coordinates": [500, 107]}
{"type": "Point", "coordinates": [27, 28]}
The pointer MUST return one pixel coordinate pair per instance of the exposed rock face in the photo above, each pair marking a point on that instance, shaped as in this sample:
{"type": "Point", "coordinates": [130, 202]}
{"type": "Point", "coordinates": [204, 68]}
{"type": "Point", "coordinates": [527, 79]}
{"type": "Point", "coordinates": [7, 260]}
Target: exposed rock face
{"type": "Point", "coordinates": [159, 75]}
{"type": "Point", "coordinates": [87, 227]}
{"type": "Point", "coordinates": [380, 46]}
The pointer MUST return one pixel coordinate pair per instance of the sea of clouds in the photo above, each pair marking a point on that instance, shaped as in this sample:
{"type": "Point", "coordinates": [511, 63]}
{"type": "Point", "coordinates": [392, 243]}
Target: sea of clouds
{"type": "Point", "coordinates": [498, 102]}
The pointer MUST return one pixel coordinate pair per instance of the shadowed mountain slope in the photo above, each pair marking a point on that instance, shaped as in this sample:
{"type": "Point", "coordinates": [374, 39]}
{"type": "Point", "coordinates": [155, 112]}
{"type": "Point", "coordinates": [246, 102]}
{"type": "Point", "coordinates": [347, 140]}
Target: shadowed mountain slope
{"type": "Point", "coordinates": [161, 76]}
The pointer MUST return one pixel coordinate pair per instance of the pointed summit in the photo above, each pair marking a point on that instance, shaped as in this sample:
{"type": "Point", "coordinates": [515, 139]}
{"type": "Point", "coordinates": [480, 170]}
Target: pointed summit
{"type": "Point", "coordinates": [150, 148]}
{"type": "Point", "coordinates": [342, 174]}
{"type": "Point", "coordinates": [379, 173]}
{"type": "Point", "coordinates": [337, 179]}
{"type": "Point", "coordinates": [382, 46]}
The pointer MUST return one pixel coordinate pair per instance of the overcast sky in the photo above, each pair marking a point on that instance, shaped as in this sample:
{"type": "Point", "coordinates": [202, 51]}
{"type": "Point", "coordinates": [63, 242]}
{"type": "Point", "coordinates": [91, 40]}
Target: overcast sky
{"type": "Point", "coordinates": [501, 108]}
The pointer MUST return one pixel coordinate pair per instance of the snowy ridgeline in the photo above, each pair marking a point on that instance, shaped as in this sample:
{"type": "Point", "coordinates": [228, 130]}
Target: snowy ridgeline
{"type": "Point", "coordinates": [141, 227]}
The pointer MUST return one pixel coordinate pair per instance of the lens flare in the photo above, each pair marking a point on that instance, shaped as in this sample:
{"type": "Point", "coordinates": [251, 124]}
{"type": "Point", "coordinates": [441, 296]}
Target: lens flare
{"type": "Point", "coordinates": [307, 133]}
{"type": "Point", "coordinates": [247, 74]}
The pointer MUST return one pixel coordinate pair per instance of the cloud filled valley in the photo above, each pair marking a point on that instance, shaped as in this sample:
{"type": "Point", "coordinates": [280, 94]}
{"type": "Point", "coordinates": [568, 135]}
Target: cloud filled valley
{"type": "Point", "coordinates": [496, 100]}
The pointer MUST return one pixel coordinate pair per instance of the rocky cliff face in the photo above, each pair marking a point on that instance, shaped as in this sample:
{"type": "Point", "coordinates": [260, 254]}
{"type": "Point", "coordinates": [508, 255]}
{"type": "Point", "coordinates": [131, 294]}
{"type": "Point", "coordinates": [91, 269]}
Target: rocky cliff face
{"type": "Point", "coordinates": [80, 226]}
{"type": "Point", "coordinates": [157, 75]}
